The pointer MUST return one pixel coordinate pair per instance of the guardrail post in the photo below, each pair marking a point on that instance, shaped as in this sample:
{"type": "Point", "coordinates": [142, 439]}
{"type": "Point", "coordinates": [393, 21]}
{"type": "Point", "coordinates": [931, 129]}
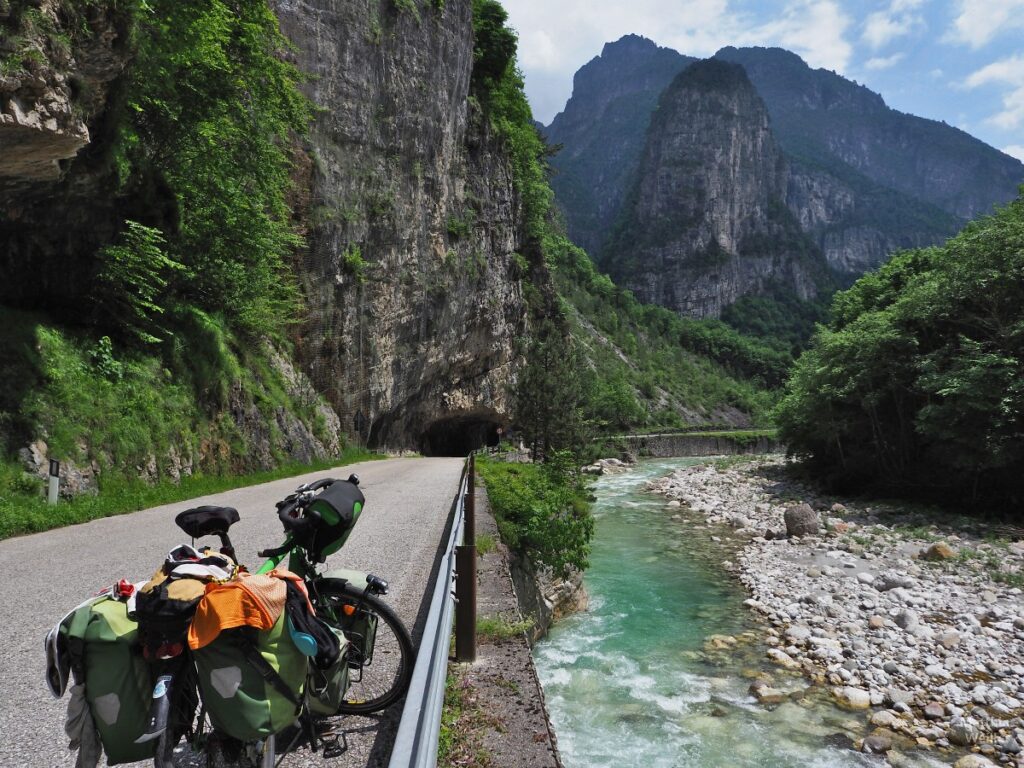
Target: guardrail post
{"type": "Point", "coordinates": [465, 568]}
{"type": "Point", "coordinates": [469, 524]}
{"type": "Point", "coordinates": [465, 603]}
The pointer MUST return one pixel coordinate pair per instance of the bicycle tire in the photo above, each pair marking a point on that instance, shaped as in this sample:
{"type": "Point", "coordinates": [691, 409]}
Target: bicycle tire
{"type": "Point", "coordinates": [184, 702]}
{"type": "Point", "coordinates": [386, 678]}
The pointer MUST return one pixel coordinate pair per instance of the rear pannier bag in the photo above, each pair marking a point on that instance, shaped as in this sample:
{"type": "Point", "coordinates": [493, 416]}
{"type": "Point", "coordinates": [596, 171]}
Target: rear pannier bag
{"type": "Point", "coordinates": [243, 700]}
{"type": "Point", "coordinates": [361, 631]}
{"type": "Point", "coordinates": [339, 506]}
{"type": "Point", "coordinates": [104, 644]}
{"type": "Point", "coordinates": [325, 688]}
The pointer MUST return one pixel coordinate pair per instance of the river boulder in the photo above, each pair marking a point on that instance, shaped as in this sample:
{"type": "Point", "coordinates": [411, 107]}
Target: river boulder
{"type": "Point", "coordinates": [852, 698]}
{"type": "Point", "coordinates": [801, 520]}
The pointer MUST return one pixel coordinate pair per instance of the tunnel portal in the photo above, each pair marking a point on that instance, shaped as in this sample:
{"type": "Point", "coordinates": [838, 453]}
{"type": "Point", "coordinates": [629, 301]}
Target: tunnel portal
{"type": "Point", "coordinates": [458, 435]}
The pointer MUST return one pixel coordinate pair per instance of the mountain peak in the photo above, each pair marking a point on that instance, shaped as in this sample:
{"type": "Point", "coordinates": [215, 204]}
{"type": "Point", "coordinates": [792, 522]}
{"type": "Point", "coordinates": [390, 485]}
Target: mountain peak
{"type": "Point", "coordinates": [629, 45]}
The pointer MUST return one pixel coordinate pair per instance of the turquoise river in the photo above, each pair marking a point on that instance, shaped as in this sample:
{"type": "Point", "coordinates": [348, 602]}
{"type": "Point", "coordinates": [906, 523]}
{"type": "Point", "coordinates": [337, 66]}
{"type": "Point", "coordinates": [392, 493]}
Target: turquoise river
{"type": "Point", "coordinates": [625, 682]}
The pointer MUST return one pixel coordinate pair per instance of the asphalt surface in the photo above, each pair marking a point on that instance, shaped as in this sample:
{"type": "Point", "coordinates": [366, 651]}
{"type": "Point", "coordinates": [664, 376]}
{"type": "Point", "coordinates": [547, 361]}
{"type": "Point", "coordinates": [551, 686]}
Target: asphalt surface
{"type": "Point", "coordinates": [45, 575]}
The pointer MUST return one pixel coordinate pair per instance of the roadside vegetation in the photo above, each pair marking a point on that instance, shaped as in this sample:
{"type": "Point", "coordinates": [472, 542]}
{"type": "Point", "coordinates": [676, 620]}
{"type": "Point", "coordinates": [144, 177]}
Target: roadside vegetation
{"type": "Point", "coordinates": [463, 725]}
{"type": "Point", "coordinates": [916, 386]}
{"type": "Point", "coordinates": [22, 513]}
{"type": "Point", "coordinates": [115, 414]}
{"type": "Point", "coordinates": [498, 628]}
{"type": "Point", "coordinates": [542, 509]}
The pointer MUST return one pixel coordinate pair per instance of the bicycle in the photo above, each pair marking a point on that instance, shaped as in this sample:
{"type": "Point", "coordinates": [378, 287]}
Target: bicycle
{"type": "Point", "coordinates": [379, 650]}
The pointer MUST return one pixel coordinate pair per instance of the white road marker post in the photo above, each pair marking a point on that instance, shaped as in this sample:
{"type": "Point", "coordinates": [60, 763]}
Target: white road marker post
{"type": "Point", "coordinates": [54, 486]}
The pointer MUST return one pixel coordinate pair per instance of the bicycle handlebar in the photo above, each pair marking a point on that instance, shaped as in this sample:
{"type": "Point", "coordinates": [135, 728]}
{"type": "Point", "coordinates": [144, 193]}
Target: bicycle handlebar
{"type": "Point", "coordinates": [294, 512]}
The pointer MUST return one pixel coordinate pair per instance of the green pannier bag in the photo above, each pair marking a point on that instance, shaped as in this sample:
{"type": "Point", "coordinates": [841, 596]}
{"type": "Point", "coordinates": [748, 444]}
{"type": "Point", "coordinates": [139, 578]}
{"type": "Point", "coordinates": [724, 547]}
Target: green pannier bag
{"type": "Point", "coordinates": [118, 684]}
{"type": "Point", "coordinates": [325, 688]}
{"type": "Point", "coordinates": [240, 700]}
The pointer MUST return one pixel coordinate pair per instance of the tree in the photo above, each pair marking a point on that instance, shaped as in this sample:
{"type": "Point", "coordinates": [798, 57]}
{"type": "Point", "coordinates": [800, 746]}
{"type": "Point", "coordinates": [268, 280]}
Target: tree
{"type": "Point", "coordinates": [549, 393]}
{"type": "Point", "coordinates": [917, 384]}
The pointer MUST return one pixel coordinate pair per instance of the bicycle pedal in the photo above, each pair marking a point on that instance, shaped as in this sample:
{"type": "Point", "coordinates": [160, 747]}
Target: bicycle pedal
{"type": "Point", "coordinates": [335, 748]}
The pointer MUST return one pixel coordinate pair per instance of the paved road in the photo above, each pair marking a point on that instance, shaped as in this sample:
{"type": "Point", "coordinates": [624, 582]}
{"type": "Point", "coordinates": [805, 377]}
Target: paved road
{"type": "Point", "coordinates": [45, 575]}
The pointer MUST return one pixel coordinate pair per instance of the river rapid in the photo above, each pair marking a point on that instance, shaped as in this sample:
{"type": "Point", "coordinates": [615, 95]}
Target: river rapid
{"type": "Point", "coordinates": [626, 681]}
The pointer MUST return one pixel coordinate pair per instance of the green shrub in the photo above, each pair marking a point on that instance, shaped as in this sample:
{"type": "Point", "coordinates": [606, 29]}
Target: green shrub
{"type": "Point", "coordinates": [542, 510]}
{"type": "Point", "coordinates": [210, 107]}
{"type": "Point", "coordinates": [354, 264]}
{"type": "Point", "coordinates": [131, 279]}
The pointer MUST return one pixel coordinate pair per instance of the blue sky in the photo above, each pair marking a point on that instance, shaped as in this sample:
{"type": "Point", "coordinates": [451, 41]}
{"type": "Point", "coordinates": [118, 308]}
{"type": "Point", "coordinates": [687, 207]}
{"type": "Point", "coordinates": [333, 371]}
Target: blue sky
{"type": "Point", "coordinates": [961, 61]}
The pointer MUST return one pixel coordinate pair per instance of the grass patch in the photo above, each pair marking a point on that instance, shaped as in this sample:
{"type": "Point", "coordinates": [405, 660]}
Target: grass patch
{"type": "Point", "coordinates": [485, 544]}
{"type": "Point", "coordinates": [499, 628]}
{"type": "Point", "coordinates": [463, 723]}
{"type": "Point", "coordinates": [920, 532]}
{"type": "Point", "coordinates": [1014, 579]}
{"type": "Point", "coordinates": [23, 514]}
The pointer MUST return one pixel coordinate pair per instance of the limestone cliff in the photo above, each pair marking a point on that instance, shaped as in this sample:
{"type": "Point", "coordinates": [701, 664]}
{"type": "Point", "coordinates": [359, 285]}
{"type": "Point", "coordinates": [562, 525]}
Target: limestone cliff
{"type": "Point", "coordinates": [601, 133]}
{"type": "Point", "coordinates": [413, 296]}
{"type": "Point", "coordinates": [58, 72]}
{"type": "Point", "coordinates": [706, 222]}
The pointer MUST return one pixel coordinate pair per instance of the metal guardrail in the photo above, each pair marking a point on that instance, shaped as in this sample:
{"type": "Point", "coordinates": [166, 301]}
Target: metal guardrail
{"type": "Point", "coordinates": [416, 741]}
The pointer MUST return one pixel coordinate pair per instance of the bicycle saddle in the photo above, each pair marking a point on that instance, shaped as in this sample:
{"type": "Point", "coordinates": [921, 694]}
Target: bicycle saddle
{"type": "Point", "coordinates": [206, 521]}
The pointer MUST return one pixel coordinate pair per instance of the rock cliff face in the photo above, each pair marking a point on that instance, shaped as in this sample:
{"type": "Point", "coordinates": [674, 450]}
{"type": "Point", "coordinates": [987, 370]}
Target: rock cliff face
{"type": "Point", "coordinates": [52, 82]}
{"type": "Point", "coordinates": [54, 90]}
{"type": "Point", "coordinates": [706, 222]}
{"type": "Point", "coordinates": [864, 179]}
{"type": "Point", "coordinates": [414, 301]}
{"type": "Point", "coordinates": [856, 223]}
{"type": "Point", "coordinates": [602, 130]}
{"type": "Point", "coordinates": [822, 116]}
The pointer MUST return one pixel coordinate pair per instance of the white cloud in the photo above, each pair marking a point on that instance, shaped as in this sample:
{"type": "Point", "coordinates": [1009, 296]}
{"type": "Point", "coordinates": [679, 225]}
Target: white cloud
{"type": "Point", "coordinates": [565, 38]}
{"type": "Point", "coordinates": [884, 63]}
{"type": "Point", "coordinates": [898, 20]}
{"type": "Point", "coordinates": [1008, 72]}
{"type": "Point", "coordinates": [979, 21]}
{"type": "Point", "coordinates": [815, 29]}
{"type": "Point", "coordinates": [1015, 150]}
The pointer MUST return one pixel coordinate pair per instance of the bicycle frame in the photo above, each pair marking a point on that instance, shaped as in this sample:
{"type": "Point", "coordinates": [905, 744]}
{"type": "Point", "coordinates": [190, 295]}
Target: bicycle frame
{"type": "Point", "coordinates": [300, 566]}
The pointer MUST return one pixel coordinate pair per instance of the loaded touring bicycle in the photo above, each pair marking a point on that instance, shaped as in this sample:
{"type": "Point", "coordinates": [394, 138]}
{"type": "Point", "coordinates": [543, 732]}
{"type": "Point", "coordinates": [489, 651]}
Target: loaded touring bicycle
{"type": "Point", "coordinates": [242, 667]}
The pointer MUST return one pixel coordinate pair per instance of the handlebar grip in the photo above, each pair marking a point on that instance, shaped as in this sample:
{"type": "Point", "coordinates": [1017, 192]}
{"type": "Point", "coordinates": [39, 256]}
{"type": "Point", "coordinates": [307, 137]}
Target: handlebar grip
{"type": "Point", "coordinates": [321, 484]}
{"type": "Point", "coordinates": [275, 551]}
{"type": "Point", "coordinates": [285, 513]}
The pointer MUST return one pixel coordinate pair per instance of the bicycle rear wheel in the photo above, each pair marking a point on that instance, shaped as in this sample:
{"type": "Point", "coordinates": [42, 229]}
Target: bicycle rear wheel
{"type": "Point", "coordinates": [180, 721]}
{"type": "Point", "coordinates": [381, 652]}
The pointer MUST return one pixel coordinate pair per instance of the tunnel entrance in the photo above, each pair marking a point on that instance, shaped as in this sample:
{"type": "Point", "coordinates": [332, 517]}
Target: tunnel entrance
{"type": "Point", "coordinates": [458, 435]}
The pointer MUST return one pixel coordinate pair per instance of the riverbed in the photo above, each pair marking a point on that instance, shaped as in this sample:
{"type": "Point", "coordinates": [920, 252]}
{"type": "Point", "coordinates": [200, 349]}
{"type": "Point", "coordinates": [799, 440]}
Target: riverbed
{"type": "Point", "coordinates": [628, 682]}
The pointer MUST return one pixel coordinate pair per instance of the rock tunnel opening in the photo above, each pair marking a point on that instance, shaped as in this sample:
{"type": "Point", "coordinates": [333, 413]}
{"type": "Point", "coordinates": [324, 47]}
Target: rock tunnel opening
{"type": "Point", "coordinates": [458, 435]}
